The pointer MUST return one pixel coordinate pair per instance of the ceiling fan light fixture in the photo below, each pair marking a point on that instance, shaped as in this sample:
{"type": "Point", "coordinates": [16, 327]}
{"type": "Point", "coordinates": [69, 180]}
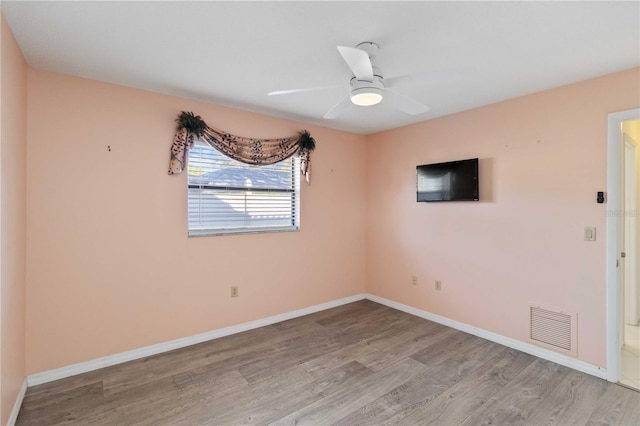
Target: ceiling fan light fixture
{"type": "Point", "coordinates": [366, 93]}
{"type": "Point", "coordinates": [366, 97]}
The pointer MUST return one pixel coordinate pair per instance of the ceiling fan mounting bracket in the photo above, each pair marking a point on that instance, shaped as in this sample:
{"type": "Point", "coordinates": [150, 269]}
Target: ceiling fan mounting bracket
{"type": "Point", "coordinates": [370, 47]}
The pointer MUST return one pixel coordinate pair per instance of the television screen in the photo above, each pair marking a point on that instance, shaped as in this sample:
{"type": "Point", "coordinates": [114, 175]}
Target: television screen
{"type": "Point", "coordinates": [452, 181]}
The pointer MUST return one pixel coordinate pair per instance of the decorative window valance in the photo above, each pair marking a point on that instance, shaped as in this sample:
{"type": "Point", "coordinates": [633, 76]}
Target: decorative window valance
{"type": "Point", "coordinates": [246, 150]}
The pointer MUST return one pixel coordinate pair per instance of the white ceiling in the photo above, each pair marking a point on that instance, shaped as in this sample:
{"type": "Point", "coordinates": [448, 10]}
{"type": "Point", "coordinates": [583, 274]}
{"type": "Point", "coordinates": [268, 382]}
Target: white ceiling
{"type": "Point", "coordinates": [234, 53]}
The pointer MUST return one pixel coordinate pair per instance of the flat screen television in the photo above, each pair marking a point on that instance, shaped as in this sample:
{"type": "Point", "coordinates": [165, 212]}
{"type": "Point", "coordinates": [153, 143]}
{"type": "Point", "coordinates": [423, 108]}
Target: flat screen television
{"type": "Point", "coordinates": [451, 181]}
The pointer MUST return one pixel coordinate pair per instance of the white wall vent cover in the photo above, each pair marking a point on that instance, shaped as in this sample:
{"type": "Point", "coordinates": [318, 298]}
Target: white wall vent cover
{"type": "Point", "coordinates": [553, 329]}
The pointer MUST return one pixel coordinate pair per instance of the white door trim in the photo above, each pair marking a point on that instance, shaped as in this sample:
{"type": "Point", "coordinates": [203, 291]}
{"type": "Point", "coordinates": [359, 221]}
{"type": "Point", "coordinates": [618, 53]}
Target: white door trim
{"type": "Point", "coordinates": [614, 216]}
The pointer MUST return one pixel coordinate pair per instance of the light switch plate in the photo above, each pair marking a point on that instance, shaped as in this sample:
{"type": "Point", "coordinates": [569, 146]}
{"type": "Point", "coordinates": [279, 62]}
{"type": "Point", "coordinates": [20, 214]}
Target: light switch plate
{"type": "Point", "coordinates": [589, 233]}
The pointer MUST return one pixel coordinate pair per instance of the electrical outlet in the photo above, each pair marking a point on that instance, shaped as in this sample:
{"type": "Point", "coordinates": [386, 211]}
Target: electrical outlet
{"type": "Point", "coordinates": [234, 291]}
{"type": "Point", "coordinates": [438, 285]}
{"type": "Point", "coordinates": [414, 280]}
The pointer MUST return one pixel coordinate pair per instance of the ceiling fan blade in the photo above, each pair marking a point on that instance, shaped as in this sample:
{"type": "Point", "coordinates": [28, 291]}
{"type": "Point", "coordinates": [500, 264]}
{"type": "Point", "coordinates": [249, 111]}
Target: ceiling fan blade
{"type": "Point", "coordinates": [359, 62]}
{"type": "Point", "coordinates": [453, 74]}
{"type": "Point", "coordinates": [338, 108]}
{"type": "Point", "coordinates": [404, 103]}
{"type": "Point", "coordinates": [302, 90]}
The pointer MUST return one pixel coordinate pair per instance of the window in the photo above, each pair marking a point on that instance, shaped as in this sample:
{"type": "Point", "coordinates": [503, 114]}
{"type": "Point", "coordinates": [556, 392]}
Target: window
{"type": "Point", "coordinates": [229, 197]}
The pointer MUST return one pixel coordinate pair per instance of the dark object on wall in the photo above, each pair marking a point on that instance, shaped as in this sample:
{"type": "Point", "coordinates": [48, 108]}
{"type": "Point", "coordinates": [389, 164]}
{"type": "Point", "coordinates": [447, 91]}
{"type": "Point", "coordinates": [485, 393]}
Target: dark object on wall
{"type": "Point", "coordinates": [451, 181]}
{"type": "Point", "coordinates": [305, 141]}
{"type": "Point", "coordinates": [600, 198]}
{"type": "Point", "coordinates": [193, 123]}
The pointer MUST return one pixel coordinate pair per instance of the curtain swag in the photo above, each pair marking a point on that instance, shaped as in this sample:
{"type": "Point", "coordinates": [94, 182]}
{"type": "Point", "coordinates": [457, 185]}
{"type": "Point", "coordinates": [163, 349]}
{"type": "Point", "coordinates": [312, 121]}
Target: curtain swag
{"type": "Point", "coordinates": [256, 152]}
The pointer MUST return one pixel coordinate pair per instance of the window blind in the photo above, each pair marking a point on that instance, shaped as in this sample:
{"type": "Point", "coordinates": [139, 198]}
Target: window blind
{"type": "Point", "coordinates": [227, 196]}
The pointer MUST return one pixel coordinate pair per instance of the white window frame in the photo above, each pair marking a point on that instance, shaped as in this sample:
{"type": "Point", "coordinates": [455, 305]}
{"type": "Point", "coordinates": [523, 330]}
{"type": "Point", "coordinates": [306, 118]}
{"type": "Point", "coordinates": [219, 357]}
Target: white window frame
{"type": "Point", "coordinates": [198, 231]}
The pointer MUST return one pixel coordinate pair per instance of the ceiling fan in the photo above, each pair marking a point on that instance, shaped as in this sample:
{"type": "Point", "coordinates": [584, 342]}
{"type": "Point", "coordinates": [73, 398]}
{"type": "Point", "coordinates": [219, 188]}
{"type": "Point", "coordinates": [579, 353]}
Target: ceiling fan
{"type": "Point", "coordinates": [367, 86]}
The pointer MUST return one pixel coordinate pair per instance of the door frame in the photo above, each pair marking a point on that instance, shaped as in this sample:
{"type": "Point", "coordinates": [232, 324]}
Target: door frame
{"type": "Point", "coordinates": [614, 240]}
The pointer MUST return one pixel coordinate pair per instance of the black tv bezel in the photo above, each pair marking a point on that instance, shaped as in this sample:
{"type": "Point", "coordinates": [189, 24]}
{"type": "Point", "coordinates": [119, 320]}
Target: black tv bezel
{"type": "Point", "coordinates": [477, 180]}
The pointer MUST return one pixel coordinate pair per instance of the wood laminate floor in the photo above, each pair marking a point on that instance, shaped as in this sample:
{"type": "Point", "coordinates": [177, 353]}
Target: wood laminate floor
{"type": "Point", "coordinates": [357, 364]}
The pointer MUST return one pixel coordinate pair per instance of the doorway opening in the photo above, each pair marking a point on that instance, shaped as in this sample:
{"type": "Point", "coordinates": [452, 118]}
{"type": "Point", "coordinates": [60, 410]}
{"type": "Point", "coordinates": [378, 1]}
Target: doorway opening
{"type": "Point", "coordinates": [623, 244]}
{"type": "Point", "coordinates": [630, 333]}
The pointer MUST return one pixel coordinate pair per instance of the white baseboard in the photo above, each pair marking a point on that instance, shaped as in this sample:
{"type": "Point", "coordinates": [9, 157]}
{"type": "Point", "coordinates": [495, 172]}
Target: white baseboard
{"type": "Point", "coordinates": [13, 416]}
{"type": "Point", "coordinates": [107, 361]}
{"type": "Point", "coordinates": [561, 359]}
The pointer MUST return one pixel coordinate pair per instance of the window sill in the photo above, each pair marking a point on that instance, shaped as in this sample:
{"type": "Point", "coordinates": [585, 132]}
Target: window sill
{"type": "Point", "coordinates": [219, 232]}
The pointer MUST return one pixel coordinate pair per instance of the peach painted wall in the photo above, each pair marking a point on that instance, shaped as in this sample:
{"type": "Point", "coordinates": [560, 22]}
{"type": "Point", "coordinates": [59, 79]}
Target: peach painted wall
{"type": "Point", "coordinates": [13, 169]}
{"type": "Point", "coordinates": [542, 157]}
{"type": "Point", "coordinates": [110, 267]}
